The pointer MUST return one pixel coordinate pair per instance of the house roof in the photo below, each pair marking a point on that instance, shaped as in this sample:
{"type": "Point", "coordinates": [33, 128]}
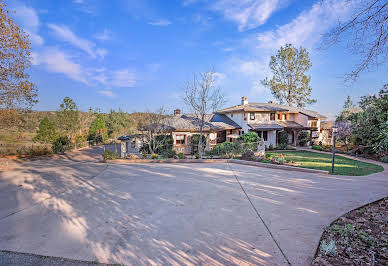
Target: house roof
{"type": "Point", "coordinates": [221, 120]}
{"type": "Point", "coordinates": [327, 124]}
{"type": "Point", "coordinates": [268, 107]}
{"type": "Point", "coordinates": [213, 122]}
{"type": "Point", "coordinates": [276, 125]}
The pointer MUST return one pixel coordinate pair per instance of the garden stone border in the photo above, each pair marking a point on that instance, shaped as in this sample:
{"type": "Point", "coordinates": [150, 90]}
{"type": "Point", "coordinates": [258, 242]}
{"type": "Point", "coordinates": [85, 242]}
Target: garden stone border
{"type": "Point", "coordinates": [244, 162]}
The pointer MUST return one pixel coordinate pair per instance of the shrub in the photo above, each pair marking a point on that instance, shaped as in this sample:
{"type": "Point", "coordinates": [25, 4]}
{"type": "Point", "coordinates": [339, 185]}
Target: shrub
{"type": "Point", "coordinates": [283, 137]}
{"type": "Point", "coordinates": [316, 147]}
{"type": "Point", "coordinates": [60, 144]}
{"type": "Point", "coordinates": [384, 159]}
{"type": "Point", "coordinates": [304, 138]}
{"type": "Point", "coordinates": [249, 137]}
{"type": "Point", "coordinates": [169, 153]}
{"type": "Point", "coordinates": [196, 156]}
{"type": "Point", "coordinates": [328, 249]}
{"type": "Point", "coordinates": [248, 155]}
{"type": "Point", "coordinates": [224, 148]}
{"type": "Point", "coordinates": [133, 156]}
{"type": "Point", "coordinates": [110, 155]}
{"type": "Point", "coordinates": [270, 147]}
{"type": "Point", "coordinates": [144, 154]}
{"type": "Point", "coordinates": [180, 155]}
{"type": "Point", "coordinates": [282, 146]}
{"type": "Point", "coordinates": [268, 156]}
{"type": "Point", "coordinates": [320, 143]}
{"type": "Point", "coordinates": [154, 156]}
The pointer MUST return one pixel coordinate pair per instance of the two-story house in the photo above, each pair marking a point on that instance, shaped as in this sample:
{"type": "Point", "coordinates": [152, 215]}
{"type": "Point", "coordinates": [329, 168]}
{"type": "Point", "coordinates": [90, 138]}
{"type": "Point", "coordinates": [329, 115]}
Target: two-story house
{"type": "Point", "coordinates": [226, 125]}
{"type": "Point", "coordinates": [267, 119]}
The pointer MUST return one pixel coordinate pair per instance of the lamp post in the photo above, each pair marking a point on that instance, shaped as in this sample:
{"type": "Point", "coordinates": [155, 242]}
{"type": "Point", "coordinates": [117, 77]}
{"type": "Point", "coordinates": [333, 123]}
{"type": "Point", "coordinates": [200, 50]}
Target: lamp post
{"type": "Point", "coordinates": [334, 135]}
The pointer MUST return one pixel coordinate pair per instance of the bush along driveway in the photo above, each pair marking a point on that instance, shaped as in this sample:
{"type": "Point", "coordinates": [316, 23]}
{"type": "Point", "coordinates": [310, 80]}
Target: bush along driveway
{"type": "Point", "coordinates": [322, 161]}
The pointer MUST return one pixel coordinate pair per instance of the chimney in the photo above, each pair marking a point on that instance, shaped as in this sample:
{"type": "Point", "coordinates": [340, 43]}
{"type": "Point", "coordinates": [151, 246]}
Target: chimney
{"type": "Point", "coordinates": [244, 100]}
{"type": "Point", "coordinates": [270, 101]}
{"type": "Point", "coordinates": [177, 112]}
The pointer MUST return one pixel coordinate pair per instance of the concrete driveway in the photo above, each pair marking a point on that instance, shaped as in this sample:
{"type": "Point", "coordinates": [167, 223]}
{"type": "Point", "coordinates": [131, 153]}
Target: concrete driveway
{"type": "Point", "coordinates": [174, 213]}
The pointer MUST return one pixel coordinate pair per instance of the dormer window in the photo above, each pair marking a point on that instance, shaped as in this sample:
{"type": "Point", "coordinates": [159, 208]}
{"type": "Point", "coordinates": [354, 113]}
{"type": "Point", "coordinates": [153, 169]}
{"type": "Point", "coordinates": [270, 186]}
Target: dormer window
{"type": "Point", "coordinates": [252, 116]}
{"type": "Point", "coordinates": [284, 117]}
{"type": "Point", "coordinates": [279, 117]}
{"type": "Point", "coordinates": [272, 116]}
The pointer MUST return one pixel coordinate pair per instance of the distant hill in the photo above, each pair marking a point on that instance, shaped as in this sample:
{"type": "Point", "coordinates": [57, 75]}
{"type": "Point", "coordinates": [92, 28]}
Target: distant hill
{"type": "Point", "coordinates": [22, 136]}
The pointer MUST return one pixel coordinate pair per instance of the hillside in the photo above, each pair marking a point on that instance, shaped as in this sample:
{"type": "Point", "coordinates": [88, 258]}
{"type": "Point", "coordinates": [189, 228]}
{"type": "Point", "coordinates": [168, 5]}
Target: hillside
{"type": "Point", "coordinates": [14, 137]}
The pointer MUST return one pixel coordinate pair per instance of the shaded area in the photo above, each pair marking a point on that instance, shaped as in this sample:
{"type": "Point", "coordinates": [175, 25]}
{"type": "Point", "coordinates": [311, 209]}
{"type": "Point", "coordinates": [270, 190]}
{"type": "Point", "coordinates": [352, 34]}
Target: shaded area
{"type": "Point", "coordinates": [298, 206]}
{"type": "Point", "coordinates": [145, 214]}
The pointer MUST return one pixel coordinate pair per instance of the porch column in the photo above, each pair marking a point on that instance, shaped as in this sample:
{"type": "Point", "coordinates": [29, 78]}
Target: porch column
{"type": "Point", "coordinates": [294, 134]}
{"type": "Point", "coordinates": [311, 136]}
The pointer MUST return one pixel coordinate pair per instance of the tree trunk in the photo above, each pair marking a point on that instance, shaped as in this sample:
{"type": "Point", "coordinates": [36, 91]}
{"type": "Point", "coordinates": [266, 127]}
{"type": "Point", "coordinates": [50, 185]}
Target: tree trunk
{"type": "Point", "coordinates": [200, 141]}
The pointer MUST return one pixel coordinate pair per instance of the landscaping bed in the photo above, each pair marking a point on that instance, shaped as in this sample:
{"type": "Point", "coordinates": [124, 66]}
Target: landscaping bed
{"type": "Point", "coordinates": [360, 237]}
{"type": "Point", "coordinates": [320, 161]}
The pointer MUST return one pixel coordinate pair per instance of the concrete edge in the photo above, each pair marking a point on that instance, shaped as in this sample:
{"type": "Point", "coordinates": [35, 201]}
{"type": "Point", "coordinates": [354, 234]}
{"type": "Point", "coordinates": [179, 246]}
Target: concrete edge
{"type": "Point", "coordinates": [251, 163]}
{"type": "Point", "coordinates": [129, 161]}
{"type": "Point", "coordinates": [279, 166]}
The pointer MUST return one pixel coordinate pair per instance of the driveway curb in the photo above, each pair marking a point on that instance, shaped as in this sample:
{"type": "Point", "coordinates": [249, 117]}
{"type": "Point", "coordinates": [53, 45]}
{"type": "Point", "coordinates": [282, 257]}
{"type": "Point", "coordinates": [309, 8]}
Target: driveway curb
{"type": "Point", "coordinates": [250, 163]}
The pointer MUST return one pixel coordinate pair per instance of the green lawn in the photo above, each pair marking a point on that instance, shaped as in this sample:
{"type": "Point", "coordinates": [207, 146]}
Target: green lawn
{"type": "Point", "coordinates": [342, 166]}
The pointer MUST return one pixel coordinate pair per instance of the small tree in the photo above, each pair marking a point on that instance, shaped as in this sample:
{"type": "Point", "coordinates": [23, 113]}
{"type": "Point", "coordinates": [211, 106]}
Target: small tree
{"type": "Point", "coordinates": [155, 128]}
{"type": "Point", "coordinates": [289, 83]}
{"type": "Point", "coordinates": [195, 141]}
{"type": "Point", "coordinates": [118, 123]}
{"type": "Point", "coordinates": [344, 132]}
{"type": "Point", "coordinates": [303, 138]}
{"type": "Point", "coordinates": [46, 132]}
{"type": "Point", "coordinates": [203, 97]}
{"type": "Point", "coordinates": [68, 117]}
{"type": "Point", "coordinates": [16, 91]}
{"type": "Point", "coordinates": [283, 137]}
{"type": "Point", "coordinates": [98, 131]}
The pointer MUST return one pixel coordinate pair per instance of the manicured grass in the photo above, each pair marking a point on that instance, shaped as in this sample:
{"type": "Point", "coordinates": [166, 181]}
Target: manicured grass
{"type": "Point", "coordinates": [342, 166]}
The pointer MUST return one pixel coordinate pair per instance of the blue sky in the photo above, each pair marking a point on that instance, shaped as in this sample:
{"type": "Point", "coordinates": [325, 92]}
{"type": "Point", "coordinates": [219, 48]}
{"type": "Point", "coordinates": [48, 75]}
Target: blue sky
{"type": "Point", "coordinates": [137, 54]}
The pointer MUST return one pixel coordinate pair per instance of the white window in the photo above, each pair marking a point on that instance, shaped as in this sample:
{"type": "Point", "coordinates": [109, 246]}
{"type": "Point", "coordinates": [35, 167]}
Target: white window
{"type": "Point", "coordinates": [180, 139]}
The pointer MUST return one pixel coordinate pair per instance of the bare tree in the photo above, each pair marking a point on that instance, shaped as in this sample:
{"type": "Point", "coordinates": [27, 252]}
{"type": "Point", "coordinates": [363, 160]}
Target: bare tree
{"type": "Point", "coordinates": [155, 129]}
{"type": "Point", "coordinates": [203, 97]}
{"type": "Point", "coordinates": [368, 28]}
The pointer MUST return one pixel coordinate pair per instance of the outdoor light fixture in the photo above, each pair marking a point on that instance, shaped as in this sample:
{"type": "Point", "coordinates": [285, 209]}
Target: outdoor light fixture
{"type": "Point", "coordinates": [335, 128]}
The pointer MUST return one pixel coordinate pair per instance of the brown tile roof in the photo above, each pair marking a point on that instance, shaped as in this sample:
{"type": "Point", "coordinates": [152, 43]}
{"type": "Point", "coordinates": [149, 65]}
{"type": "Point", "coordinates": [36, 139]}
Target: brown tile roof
{"type": "Point", "coordinates": [276, 125]}
{"type": "Point", "coordinates": [268, 107]}
{"type": "Point", "coordinates": [189, 122]}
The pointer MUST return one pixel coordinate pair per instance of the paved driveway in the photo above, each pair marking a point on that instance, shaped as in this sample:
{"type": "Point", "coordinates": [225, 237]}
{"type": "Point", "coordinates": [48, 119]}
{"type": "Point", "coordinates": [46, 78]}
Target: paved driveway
{"type": "Point", "coordinates": [174, 213]}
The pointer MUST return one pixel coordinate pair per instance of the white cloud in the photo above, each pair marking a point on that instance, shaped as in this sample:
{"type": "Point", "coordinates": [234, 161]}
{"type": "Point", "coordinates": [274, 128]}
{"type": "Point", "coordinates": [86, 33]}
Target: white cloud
{"type": "Point", "coordinates": [67, 35]}
{"type": "Point", "coordinates": [87, 46]}
{"type": "Point", "coordinates": [306, 29]}
{"type": "Point", "coordinates": [252, 68]}
{"type": "Point", "coordinates": [160, 23]}
{"type": "Point", "coordinates": [123, 78]}
{"type": "Point", "coordinates": [58, 61]}
{"type": "Point", "coordinates": [27, 16]}
{"type": "Point", "coordinates": [101, 52]}
{"type": "Point", "coordinates": [248, 14]}
{"type": "Point", "coordinates": [107, 93]}
{"type": "Point", "coordinates": [104, 36]}
{"type": "Point", "coordinates": [29, 19]}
